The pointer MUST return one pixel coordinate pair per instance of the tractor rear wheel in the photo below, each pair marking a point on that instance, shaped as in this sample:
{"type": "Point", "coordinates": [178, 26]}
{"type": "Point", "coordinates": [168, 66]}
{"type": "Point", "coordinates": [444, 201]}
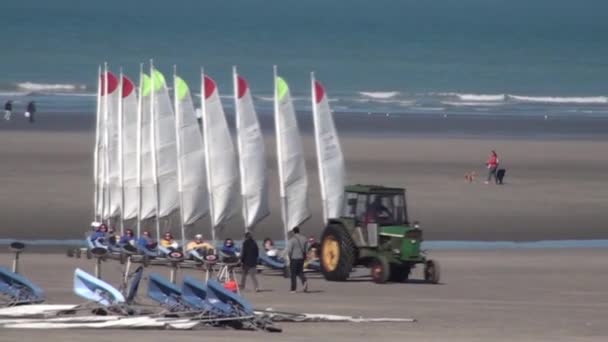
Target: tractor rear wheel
{"type": "Point", "coordinates": [431, 271]}
{"type": "Point", "coordinates": [381, 270]}
{"type": "Point", "coordinates": [337, 252]}
{"type": "Point", "coordinates": [399, 273]}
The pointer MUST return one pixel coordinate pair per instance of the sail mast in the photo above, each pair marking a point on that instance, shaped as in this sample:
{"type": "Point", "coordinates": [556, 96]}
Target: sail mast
{"type": "Point", "coordinates": [240, 147]}
{"type": "Point", "coordinates": [105, 156]}
{"type": "Point", "coordinates": [96, 213]}
{"type": "Point", "coordinates": [178, 124]}
{"type": "Point", "coordinates": [315, 116]}
{"type": "Point", "coordinates": [279, 143]}
{"type": "Point", "coordinates": [120, 158]}
{"type": "Point", "coordinates": [138, 148]}
{"type": "Point", "coordinates": [154, 130]}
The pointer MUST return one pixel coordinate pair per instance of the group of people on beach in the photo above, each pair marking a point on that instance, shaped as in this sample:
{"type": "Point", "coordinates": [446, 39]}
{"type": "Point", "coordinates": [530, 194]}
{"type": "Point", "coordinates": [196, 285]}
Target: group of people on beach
{"type": "Point", "coordinates": [301, 252]}
{"type": "Point", "coordinates": [493, 171]}
{"type": "Point", "coordinates": [30, 110]}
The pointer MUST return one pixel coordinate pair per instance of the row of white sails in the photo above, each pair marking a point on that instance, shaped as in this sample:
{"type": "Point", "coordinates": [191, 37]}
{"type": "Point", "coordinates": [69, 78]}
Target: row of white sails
{"type": "Point", "coordinates": [152, 158]}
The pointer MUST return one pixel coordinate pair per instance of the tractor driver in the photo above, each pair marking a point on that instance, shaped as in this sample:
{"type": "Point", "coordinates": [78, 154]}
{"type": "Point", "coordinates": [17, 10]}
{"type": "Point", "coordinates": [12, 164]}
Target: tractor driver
{"type": "Point", "coordinates": [377, 212]}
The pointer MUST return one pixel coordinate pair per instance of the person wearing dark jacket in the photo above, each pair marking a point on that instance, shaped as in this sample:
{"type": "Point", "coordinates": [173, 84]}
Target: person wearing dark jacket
{"type": "Point", "coordinates": [297, 247]}
{"type": "Point", "coordinates": [8, 109]}
{"type": "Point", "coordinates": [249, 259]}
{"type": "Point", "coordinates": [30, 111]}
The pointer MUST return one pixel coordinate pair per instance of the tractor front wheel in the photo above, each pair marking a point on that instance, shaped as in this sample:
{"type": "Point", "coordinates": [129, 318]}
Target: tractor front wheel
{"type": "Point", "coordinates": [381, 270]}
{"type": "Point", "coordinates": [431, 271]}
{"type": "Point", "coordinates": [337, 253]}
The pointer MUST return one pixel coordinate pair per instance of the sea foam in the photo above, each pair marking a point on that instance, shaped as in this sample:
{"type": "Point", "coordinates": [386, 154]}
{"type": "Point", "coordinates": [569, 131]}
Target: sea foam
{"type": "Point", "coordinates": [551, 99]}
{"type": "Point", "coordinates": [379, 94]}
{"type": "Point", "coordinates": [50, 86]}
{"type": "Point", "coordinates": [476, 97]}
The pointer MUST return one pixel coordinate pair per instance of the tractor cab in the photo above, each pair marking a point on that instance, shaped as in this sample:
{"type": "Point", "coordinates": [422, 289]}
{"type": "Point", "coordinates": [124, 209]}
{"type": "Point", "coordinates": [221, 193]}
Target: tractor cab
{"type": "Point", "coordinates": [372, 209]}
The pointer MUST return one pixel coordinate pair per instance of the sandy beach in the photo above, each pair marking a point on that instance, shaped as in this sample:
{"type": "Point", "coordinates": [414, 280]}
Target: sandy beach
{"type": "Point", "coordinates": [555, 183]}
{"type": "Point", "coordinates": [501, 295]}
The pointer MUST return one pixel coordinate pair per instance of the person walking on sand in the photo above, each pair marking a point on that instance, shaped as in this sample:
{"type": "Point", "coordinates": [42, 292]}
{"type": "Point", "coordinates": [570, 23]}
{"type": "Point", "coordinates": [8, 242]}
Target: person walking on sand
{"type": "Point", "coordinates": [296, 251]}
{"type": "Point", "coordinates": [492, 167]}
{"type": "Point", "coordinates": [249, 259]}
{"type": "Point", "coordinates": [8, 109]}
{"type": "Point", "coordinates": [30, 111]}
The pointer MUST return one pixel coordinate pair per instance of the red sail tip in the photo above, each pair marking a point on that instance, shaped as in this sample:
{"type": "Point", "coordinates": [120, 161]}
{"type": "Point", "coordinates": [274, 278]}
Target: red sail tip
{"type": "Point", "coordinates": [241, 87]}
{"type": "Point", "coordinates": [209, 87]}
{"type": "Point", "coordinates": [127, 86]}
{"type": "Point", "coordinates": [319, 92]}
{"type": "Point", "coordinates": [112, 83]}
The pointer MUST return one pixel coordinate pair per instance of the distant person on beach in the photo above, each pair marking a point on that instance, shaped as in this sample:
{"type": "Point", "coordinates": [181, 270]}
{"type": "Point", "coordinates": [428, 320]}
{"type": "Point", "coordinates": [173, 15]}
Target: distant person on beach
{"type": "Point", "coordinates": [313, 243]}
{"type": "Point", "coordinates": [377, 212]}
{"type": "Point", "coordinates": [199, 248]}
{"type": "Point", "coordinates": [229, 248]}
{"type": "Point", "coordinates": [113, 237]}
{"type": "Point", "coordinates": [98, 238]}
{"type": "Point", "coordinates": [8, 109]}
{"type": "Point", "coordinates": [249, 260]}
{"type": "Point", "coordinates": [128, 238]}
{"type": "Point", "coordinates": [270, 249]}
{"type": "Point", "coordinates": [30, 111]}
{"type": "Point", "coordinates": [492, 164]}
{"type": "Point", "coordinates": [146, 241]}
{"type": "Point", "coordinates": [168, 243]}
{"type": "Point", "coordinates": [297, 247]}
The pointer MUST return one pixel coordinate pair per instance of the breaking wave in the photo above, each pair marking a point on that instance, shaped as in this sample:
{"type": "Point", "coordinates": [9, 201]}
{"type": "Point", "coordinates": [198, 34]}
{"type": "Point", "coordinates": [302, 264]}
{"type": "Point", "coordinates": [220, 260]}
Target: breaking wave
{"type": "Point", "coordinates": [476, 97]}
{"type": "Point", "coordinates": [265, 98]}
{"type": "Point", "coordinates": [31, 86]}
{"type": "Point", "coordinates": [472, 103]}
{"type": "Point", "coordinates": [550, 99]}
{"type": "Point", "coordinates": [380, 94]}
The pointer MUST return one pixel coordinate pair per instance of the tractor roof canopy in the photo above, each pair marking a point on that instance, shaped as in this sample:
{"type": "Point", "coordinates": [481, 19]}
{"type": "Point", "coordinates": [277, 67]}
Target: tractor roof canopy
{"type": "Point", "coordinates": [373, 189]}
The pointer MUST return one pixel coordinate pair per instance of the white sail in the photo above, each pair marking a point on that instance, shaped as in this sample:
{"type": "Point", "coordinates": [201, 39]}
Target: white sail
{"type": "Point", "coordinates": [108, 100]}
{"type": "Point", "coordinates": [146, 182]}
{"type": "Point", "coordinates": [293, 180]}
{"type": "Point", "coordinates": [192, 178]}
{"type": "Point", "coordinates": [113, 149]}
{"type": "Point", "coordinates": [222, 171]}
{"type": "Point", "coordinates": [165, 150]}
{"type": "Point", "coordinates": [252, 156]}
{"type": "Point", "coordinates": [329, 154]}
{"type": "Point", "coordinates": [129, 149]}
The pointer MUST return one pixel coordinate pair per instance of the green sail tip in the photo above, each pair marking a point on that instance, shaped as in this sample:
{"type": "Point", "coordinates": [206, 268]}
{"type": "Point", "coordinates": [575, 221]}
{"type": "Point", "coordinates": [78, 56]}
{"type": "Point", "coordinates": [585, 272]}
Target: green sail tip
{"type": "Point", "coordinates": [181, 87]}
{"type": "Point", "coordinates": [282, 88]}
{"type": "Point", "coordinates": [159, 80]}
{"type": "Point", "coordinates": [146, 85]}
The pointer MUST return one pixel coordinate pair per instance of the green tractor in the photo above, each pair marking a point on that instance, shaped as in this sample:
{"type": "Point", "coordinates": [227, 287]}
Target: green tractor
{"type": "Point", "coordinates": [374, 232]}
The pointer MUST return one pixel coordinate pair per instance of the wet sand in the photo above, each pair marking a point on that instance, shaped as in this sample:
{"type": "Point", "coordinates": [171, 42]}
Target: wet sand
{"type": "Point", "coordinates": [555, 183]}
{"type": "Point", "coordinates": [501, 295]}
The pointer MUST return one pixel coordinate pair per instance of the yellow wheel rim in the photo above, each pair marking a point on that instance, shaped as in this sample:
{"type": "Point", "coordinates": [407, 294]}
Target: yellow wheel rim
{"type": "Point", "coordinates": [331, 253]}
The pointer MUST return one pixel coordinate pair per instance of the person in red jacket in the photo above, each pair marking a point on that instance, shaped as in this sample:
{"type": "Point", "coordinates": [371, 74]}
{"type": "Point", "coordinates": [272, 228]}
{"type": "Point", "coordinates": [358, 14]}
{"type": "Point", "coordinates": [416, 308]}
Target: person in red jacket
{"type": "Point", "coordinates": [492, 167]}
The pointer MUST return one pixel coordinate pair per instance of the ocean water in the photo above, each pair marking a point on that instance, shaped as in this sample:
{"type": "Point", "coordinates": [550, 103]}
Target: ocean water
{"type": "Point", "coordinates": [483, 57]}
